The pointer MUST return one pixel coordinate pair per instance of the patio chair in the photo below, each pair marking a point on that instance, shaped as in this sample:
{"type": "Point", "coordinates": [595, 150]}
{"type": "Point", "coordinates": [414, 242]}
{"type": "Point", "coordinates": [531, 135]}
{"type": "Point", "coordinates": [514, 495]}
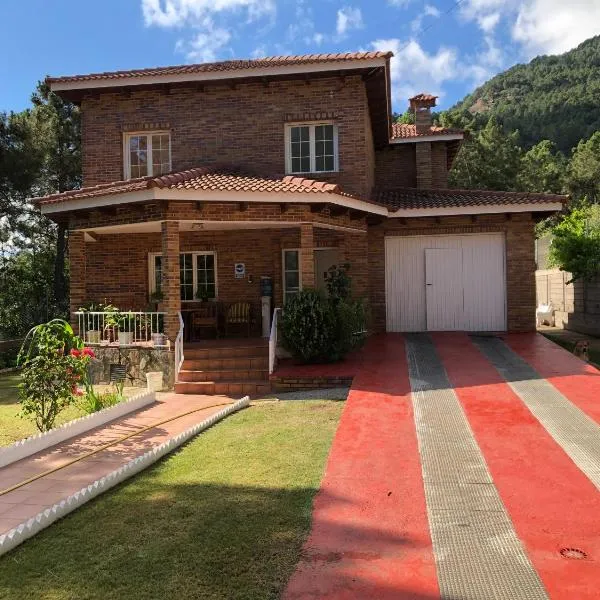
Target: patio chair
{"type": "Point", "coordinates": [238, 314]}
{"type": "Point", "coordinates": [205, 317]}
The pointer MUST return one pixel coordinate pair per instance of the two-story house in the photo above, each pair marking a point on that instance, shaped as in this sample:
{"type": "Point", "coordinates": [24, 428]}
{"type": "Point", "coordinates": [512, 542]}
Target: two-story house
{"type": "Point", "coordinates": [201, 179]}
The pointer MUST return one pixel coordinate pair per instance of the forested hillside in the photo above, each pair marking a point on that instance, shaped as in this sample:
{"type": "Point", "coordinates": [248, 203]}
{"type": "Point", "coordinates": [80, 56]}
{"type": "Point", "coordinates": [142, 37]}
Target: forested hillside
{"type": "Point", "coordinates": [556, 98]}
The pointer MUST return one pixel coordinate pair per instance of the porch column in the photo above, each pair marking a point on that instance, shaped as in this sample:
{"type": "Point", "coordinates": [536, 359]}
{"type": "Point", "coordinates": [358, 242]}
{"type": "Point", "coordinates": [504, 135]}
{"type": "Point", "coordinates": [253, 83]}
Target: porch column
{"type": "Point", "coordinates": [170, 277]}
{"type": "Point", "coordinates": [77, 296]}
{"type": "Point", "coordinates": [307, 255]}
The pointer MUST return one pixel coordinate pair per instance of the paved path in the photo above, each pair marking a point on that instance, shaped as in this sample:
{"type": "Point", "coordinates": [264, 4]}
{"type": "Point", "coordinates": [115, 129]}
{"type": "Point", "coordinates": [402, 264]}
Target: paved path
{"type": "Point", "coordinates": [461, 468]}
{"type": "Point", "coordinates": [19, 505]}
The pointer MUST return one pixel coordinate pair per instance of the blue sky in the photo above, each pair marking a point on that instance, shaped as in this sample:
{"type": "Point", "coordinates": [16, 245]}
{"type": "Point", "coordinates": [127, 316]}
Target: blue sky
{"type": "Point", "coordinates": [446, 47]}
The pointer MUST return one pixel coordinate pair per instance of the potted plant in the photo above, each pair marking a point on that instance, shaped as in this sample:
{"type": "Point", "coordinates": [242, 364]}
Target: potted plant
{"type": "Point", "coordinates": [124, 322]}
{"type": "Point", "coordinates": [202, 293]}
{"type": "Point", "coordinates": [91, 328]}
{"type": "Point", "coordinates": [111, 322]}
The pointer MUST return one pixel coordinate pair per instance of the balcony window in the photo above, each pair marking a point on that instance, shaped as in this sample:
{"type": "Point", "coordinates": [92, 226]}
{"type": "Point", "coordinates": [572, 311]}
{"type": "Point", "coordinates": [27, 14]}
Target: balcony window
{"type": "Point", "coordinates": [147, 154]}
{"type": "Point", "coordinates": [311, 148]}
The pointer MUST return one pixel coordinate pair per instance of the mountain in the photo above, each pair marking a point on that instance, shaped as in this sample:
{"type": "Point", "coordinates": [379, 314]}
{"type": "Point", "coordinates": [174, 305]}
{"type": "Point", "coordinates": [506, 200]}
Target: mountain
{"type": "Point", "coordinates": [552, 97]}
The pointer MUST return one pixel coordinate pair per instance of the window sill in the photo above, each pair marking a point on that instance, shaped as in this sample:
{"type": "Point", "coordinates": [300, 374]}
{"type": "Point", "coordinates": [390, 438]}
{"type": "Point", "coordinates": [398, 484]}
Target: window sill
{"type": "Point", "coordinates": [313, 173]}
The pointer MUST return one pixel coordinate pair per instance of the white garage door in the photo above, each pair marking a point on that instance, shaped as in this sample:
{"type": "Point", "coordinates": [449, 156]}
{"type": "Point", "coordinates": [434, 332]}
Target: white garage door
{"type": "Point", "coordinates": [445, 283]}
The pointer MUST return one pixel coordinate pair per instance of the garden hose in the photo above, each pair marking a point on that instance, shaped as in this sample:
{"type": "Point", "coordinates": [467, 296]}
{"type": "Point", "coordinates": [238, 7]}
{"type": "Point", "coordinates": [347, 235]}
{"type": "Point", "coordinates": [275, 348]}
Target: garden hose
{"type": "Point", "coordinates": [105, 446]}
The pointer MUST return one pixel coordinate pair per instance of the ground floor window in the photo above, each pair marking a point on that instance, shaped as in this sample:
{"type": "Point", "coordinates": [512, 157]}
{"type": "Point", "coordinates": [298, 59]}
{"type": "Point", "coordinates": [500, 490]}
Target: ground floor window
{"type": "Point", "coordinates": [197, 275]}
{"type": "Point", "coordinates": [292, 283]}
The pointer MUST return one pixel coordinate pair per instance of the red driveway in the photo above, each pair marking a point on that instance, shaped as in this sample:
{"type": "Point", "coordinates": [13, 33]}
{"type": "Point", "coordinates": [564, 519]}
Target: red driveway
{"type": "Point", "coordinates": [372, 525]}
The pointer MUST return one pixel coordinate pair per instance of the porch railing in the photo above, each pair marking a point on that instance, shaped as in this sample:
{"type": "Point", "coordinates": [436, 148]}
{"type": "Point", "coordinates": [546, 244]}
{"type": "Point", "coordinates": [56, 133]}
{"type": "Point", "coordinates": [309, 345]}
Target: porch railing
{"type": "Point", "coordinates": [273, 339]}
{"type": "Point", "coordinates": [122, 328]}
{"type": "Point", "coordinates": [179, 347]}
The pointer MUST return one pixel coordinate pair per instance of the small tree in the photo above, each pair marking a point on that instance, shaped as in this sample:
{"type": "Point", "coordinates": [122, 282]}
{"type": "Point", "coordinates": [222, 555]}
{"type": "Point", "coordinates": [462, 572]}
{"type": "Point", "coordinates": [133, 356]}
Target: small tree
{"type": "Point", "coordinates": [53, 364]}
{"type": "Point", "coordinates": [576, 243]}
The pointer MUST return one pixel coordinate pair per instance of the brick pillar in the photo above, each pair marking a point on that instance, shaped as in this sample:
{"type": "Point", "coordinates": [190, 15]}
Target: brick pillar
{"type": "Point", "coordinates": [307, 255]}
{"type": "Point", "coordinates": [170, 277]}
{"type": "Point", "coordinates": [77, 295]}
{"type": "Point", "coordinates": [423, 150]}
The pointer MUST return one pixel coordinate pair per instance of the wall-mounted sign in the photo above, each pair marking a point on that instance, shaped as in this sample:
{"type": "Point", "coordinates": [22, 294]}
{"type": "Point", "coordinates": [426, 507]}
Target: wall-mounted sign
{"type": "Point", "coordinates": [239, 270]}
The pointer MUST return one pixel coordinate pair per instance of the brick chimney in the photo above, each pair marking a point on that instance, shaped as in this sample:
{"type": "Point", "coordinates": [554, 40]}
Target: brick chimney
{"type": "Point", "coordinates": [420, 106]}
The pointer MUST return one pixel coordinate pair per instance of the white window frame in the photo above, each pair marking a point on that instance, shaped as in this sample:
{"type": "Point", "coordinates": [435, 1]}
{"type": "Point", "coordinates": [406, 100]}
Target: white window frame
{"type": "Point", "coordinates": [311, 136]}
{"type": "Point", "coordinates": [126, 152]}
{"type": "Point", "coordinates": [283, 270]}
{"type": "Point", "coordinates": [152, 271]}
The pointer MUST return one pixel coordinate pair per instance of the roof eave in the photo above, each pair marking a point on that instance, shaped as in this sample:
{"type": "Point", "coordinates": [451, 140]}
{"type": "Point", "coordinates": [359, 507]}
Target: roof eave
{"type": "Point", "coordinates": [447, 137]}
{"type": "Point", "coordinates": [548, 207]}
{"type": "Point", "coordinates": [57, 85]}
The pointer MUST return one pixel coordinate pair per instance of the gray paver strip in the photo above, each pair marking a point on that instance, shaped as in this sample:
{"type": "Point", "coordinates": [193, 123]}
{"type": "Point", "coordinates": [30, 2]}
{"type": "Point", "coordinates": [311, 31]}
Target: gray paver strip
{"type": "Point", "coordinates": [477, 552]}
{"type": "Point", "coordinates": [576, 433]}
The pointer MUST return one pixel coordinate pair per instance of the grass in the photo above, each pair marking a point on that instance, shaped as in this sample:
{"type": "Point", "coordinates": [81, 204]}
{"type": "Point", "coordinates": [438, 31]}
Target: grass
{"type": "Point", "coordinates": [225, 517]}
{"type": "Point", "coordinates": [13, 427]}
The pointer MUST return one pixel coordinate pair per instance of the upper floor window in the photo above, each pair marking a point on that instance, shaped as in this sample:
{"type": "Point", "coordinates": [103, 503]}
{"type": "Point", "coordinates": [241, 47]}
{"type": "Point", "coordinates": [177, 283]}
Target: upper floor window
{"type": "Point", "coordinates": [311, 148]}
{"type": "Point", "coordinates": [147, 154]}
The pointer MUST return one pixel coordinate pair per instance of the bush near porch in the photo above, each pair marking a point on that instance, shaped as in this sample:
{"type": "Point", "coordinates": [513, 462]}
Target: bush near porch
{"type": "Point", "coordinates": [316, 328]}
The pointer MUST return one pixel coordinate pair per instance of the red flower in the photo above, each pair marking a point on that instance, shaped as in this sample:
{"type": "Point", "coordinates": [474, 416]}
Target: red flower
{"type": "Point", "coordinates": [76, 392]}
{"type": "Point", "coordinates": [75, 353]}
{"type": "Point", "coordinates": [88, 352]}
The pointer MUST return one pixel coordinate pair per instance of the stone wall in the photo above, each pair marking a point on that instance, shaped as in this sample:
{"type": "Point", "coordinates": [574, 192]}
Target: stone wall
{"type": "Point", "coordinates": [137, 360]}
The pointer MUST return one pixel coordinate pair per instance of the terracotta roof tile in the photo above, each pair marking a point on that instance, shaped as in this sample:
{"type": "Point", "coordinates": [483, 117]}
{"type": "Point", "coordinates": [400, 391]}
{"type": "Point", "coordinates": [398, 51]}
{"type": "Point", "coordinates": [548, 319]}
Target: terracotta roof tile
{"type": "Point", "coordinates": [411, 198]}
{"type": "Point", "coordinates": [405, 131]}
{"type": "Point", "coordinates": [216, 178]}
{"type": "Point", "coordinates": [227, 65]}
{"type": "Point", "coordinates": [423, 98]}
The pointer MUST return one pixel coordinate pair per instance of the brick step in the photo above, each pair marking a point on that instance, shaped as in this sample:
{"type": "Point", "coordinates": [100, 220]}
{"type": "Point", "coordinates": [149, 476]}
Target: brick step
{"type": "Point", "coordinates": [219, 364]}
{"type": "Point", "coordinates": [250, 351]}
{"type": "Point", "coordinates": [226, 388]}
{"type": "Point", "coordinates": [225, 374]}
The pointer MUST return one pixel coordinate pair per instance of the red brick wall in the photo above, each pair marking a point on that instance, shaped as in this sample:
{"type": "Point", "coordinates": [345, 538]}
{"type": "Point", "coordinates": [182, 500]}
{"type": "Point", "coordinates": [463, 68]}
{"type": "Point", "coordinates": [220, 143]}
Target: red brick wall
{"type": "Point", "coordinates": [116, 266]}
{"type": "Point", "coordinates": [520, 263]}
{"type": "Point", "coordinates": [244, 125]}
{"type": "Point", "coordinates": [396, 166]}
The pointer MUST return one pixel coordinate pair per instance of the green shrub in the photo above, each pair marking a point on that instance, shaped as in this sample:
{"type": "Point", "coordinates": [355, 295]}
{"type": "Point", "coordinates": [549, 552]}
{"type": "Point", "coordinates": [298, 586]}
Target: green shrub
{"type": "Point", "coordinates": [319, 329]}
{"type": "Point", "coordinates": [93, 401]}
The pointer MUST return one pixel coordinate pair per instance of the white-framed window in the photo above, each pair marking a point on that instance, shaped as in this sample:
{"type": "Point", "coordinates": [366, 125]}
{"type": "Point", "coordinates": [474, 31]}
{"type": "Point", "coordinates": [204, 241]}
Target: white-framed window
{"type": "Point", "coordinates": [146, 153]}
{"type": "Point", "coordinates": [197, 275]}
{"type": "Point", "coordinates": [292, 276]}
{"type": "Point", "coordinates": [311, 148]}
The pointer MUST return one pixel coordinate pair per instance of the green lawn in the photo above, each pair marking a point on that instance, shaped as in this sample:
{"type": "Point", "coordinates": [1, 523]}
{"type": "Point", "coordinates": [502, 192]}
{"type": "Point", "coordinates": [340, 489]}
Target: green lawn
{"type": "Point", "coordinates": [13, 427]}
{"type": "Point", "coordinates": [224, 518]}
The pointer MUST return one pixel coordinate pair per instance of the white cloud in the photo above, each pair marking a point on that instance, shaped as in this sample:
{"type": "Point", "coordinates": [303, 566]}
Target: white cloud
{"type": "Point", "coordinates": [553, 26]}
{"type": "Point", "coordinates": [259, 52]}
{"type": "Point", "coordinates": [211, 20]}
{"type": "Point", "coordinates": [416, 24]}
{"type": "Point", "coordinates": [401, 3]}
{"type": "Point", "coordinates": [177, 13]}
{"type": "Point", "coordinates": [348, 18]}
{"type": "Point", "coordinates": [414, 70]}
{"type": "Point", "coordinates": [205, 46]}
{"type": "Point", "coordinates": [488, 22]}
{"type": "Point", "coordinates": [317, 39]}
{"type": "Point", "coordinates": [538, 26]}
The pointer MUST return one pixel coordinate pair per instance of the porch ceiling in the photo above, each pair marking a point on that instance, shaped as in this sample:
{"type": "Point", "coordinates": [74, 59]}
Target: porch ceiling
{"type": "Point", "coordinates": [199, 225]}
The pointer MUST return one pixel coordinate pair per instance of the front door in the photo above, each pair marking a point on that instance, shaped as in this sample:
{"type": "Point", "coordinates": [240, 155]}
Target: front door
{"type": "Point", "coordinates": [444, 291]}
{"type": "Point", "coordinates": [324, 260]}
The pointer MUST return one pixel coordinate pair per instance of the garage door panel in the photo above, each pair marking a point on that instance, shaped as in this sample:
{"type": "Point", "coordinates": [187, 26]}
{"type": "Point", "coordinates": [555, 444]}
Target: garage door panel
{"type": "Point", "coordinates": [482, 279]}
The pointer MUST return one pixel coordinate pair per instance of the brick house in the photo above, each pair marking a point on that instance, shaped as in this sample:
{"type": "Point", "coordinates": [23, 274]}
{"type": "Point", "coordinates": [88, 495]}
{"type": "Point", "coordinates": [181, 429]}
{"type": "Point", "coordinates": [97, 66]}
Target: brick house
{"type": "Point", "coordinates": [201, 179]}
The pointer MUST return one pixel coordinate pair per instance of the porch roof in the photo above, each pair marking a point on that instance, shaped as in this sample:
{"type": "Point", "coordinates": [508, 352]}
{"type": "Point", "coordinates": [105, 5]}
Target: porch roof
{"type": "Point", "coordinates": [411, 202]}
{"type": "Point", "coordinates": [216, 178]}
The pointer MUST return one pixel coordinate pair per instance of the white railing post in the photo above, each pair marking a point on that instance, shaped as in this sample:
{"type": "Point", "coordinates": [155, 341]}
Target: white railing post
{"type": "Point", "coordinates": [179, 347]}
{"type": "Point", "coordinates": [273, 339]}
{"type": "Point", "coordinates": [93, 328]}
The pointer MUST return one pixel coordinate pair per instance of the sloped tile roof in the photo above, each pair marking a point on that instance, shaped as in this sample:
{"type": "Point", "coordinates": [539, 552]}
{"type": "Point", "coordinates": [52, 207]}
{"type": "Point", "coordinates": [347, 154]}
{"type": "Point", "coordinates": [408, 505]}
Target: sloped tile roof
{"type": "Point", "coordinates": [423, 98]}
{"type": "Point", "coordinates": [405, 131]}
{"type": "Point", "coordinates": [227, 65]}
{"type": "Point", "coordinates": [216, 178]}
{"type": "Point", "coordinates": [411, 198]}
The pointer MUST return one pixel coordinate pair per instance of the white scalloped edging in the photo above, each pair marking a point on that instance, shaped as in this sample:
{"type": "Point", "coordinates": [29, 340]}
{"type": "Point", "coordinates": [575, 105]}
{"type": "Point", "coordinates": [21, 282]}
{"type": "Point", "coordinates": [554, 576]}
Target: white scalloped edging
{"type": "Point", "coordinates": [42, 441]}
{"type": "Point", "coordinates": [42, 520]}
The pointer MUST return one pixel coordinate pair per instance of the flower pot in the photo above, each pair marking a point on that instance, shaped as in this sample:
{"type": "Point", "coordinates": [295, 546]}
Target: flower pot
{"type": "Point", "coordinates": [125, 338]}
{"type": "Point", "coordinates": [159, 339]}
{"type": "Point", "coordinates": [93, 336]}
